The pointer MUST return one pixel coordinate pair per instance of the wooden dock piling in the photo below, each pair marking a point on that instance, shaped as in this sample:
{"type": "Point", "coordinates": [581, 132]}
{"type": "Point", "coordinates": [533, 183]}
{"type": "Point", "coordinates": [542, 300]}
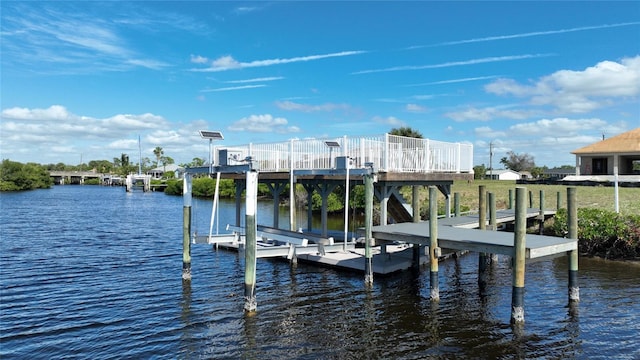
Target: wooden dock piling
{"type": "Point", "coordinates": [368, 223]}
{"type": "Point", "coordinates": [456, 204]}
{"type": "Point", "coordinates": [434, 250]}
{"type": "Point", "coordinates": [517, 294]}
{"type": "Point", "coordinates": [493, 223]}
{"type": "Point", "coordinates": [572, 220]}
{"type": "Point", "coordinates": [186, 227]}
{"type": "Point", "coordinates": [541, 230]}
{"type": "Point", "coordinates": [510, 198]}
{"type": "Point", "coordinates": [250, 303]}
{"type": "Point", "coordinates": [482, 225]}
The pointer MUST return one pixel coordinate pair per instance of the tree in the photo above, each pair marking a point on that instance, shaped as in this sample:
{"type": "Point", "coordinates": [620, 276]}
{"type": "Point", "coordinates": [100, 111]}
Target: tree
{"type": "Point", "coordinates": [166, 160]}
{"type": "Point", "coordinates": [406, 131]}
{"type": "Point", "coordinates": [15, 176]}
{"type": "Point", "coordinates": [101, 166]}
{"type": "Point", "coordinates": [479, 171]}
{"type": "Point", "coordinates": [518, 162]}
{"type": "Point", "coordinates": [158, 152]}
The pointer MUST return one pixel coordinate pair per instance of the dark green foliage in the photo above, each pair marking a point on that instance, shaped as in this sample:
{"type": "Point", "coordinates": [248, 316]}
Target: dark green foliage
{"type": "Point", "coordinates": [174, 187]}
{"type": "Point", "coordinates": [15, 176]}
{"type": "Point", "coordinates": [603, 233]}
{"type": "Point", "coordinates": [406, 131]}
{"type": "Point", "coordinates": [202, 187]}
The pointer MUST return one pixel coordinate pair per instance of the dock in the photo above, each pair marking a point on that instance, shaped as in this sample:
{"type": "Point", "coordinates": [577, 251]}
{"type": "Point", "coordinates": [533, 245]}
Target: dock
{"type": "Point", "coordinates": [383, 165]}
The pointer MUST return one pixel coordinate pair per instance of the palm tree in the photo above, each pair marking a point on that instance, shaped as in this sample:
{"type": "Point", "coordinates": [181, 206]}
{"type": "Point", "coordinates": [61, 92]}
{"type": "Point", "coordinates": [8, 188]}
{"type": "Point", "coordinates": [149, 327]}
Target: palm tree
{"type": "Point", "coordinates": [158, 152]}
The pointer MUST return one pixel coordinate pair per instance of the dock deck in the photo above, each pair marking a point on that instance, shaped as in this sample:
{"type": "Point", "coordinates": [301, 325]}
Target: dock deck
{"type": "Point", "coordinates": [457, 238]}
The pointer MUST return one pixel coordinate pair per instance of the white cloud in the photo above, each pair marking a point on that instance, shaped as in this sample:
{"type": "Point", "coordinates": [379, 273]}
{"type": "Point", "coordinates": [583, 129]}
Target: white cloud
{"type": "Point", "coordinates": [197, 59]}
{"type": "Point", "coordinates": [53, 134]}
{"type": "Point", "coordinates": [227, 62]}
{"type": "Point", "coordinates": [578, 91]}
{"type": "Point", "coordinates": [487, 132]}
{"type": "Point", "coordinates": [453, 81]}
{"type": "Point", "coordinates": [488, 113]}
{"type": "Point", "coordinates": [557, 127]}
{"type": "Point", "coordinates": [54, 112]}
{"type": "Point", "coordinates": [415, 108]}
{"type": "Point", "coordinates": [389, 120]}
{"type": "Point", "coordinates": [293, 106]}
{"type": "Point", "coordinates": [232, 88]}
{"type": "Point", "coordinates": [263, 124]}
{"type": "Point", "coordinates": [549, 141]}
{"type": "Point", "coordinates": [262, 79]}
{"type": "Point", "coordinates": [454, 63]}
{"type": "Point", "coordinates": [529, 34]}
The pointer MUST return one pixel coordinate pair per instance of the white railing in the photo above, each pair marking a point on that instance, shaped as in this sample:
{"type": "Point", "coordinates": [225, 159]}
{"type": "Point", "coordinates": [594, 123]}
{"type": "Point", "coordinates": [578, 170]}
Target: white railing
{"type": "Point", "coordinates": [386, 152]}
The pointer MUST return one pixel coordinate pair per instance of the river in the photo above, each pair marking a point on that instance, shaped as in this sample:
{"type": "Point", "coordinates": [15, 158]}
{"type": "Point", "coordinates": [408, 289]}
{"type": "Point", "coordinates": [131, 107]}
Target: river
{"type": "Point", "coordinates": [90, 272]}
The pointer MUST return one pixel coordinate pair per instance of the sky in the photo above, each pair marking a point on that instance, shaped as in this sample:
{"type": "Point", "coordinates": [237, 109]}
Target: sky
{"type": "Point", "coordinates": [85, 80]}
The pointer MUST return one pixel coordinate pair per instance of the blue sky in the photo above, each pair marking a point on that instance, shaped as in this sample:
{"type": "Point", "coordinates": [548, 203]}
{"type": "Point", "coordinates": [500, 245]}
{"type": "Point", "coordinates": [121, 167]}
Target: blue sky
{"type": "Point", "coordinates": [82, 80]}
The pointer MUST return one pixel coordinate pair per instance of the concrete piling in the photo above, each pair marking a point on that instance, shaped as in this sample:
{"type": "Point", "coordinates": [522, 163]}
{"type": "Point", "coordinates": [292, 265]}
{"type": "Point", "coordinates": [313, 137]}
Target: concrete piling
{"type": "Point", "coordinates": [368, 223]}
{"type": "Point", "coordinates": [517, 294]}
{"type": "Point", "coordinates": [434, 250]}
{"type": "Point", "coordinates": [186, 227]}
{"type": "Point", "coordinates": [250, 304]}
{"type": "Point", "coordinates": [572, 221]}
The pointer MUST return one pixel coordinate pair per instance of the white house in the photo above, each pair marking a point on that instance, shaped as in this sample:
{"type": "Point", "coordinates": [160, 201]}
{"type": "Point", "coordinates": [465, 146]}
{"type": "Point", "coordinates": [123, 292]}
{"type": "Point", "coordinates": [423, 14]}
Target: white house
{"type": "Point", "coordinates": [503, 175]}
{"type": "Point", "coordinates": [158, 172]}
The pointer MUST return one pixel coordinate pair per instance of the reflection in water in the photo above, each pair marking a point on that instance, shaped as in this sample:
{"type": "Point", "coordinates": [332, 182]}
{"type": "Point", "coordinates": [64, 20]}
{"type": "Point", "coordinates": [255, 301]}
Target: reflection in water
{"type": "Point", "coordinates": [63, 272]}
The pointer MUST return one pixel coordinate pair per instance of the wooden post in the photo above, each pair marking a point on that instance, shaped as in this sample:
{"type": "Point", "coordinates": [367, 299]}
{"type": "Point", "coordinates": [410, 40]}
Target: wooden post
{"type": "Point", "coordinates": [493, 222]}
{"type": "Point", "coordinates": [558, 200]}
{"type": "Point", "coordinates": [456, 204]}
{"type": "Point", "coordinates": [368, 223]}
{"type": "Point", "coordinates": [482, 225]}
{"type": "Point", "coordinates": [482, 207]}
{"type": "Point", "coordinates": [250, 303]}
{"type": "Point", "coordinates": [434, 251]}
{"type": "Point", "coordinates": [541, 212]}
{"type": "Point", "coordinates": [510, 198]}
{"type": "Point", "coordinates": [186, 227]}
{"type": "Point", "coordinates": [530, 199]}
{"type": "Point", "coordinates": [572, 220]}
{"type": "Point", "coordinates": [517, 294]}
{"type": "Point", "coordinates": [415, 204]}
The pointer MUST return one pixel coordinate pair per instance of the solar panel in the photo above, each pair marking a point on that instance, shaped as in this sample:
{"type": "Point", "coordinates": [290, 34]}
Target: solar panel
{"type": "Point", "coordinates": [213, 135]}
{"type": "Point", "coordinates": [330, 143]}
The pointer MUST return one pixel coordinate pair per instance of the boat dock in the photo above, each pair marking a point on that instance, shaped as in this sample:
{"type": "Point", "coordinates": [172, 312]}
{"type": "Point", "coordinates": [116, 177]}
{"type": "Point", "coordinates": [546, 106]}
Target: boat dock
{"type": "Point", "coordinates": [384, 165]}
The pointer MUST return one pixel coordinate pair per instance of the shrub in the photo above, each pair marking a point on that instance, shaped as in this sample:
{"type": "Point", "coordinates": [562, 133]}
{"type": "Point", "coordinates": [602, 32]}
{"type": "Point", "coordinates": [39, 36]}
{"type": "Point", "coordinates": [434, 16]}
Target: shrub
{"type": "Point", "coordinates": [603, 233]}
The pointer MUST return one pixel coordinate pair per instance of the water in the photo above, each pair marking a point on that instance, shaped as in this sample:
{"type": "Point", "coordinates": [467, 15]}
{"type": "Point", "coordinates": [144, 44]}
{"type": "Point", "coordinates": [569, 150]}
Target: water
{"type": "Point", "coordinates": [90, 272]}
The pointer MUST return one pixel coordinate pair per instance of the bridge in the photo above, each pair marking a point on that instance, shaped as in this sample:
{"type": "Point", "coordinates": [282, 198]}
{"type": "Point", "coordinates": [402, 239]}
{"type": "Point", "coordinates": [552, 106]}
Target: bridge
{"type": "Point", "coordinates": [74, 177]}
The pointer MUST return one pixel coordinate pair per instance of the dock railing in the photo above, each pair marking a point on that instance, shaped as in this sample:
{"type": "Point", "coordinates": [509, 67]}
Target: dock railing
{"type": "Point", "coordinates": [387, 153]}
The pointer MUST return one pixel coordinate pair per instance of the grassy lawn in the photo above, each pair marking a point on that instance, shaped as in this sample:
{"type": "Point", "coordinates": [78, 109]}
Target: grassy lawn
{"type": "Point", "coordinates": [599, 197]}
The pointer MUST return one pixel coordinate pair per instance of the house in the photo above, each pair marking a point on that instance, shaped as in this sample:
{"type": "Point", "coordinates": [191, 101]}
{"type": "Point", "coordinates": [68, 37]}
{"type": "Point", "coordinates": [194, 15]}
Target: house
{"type": "Point", "coordinates": [604, 157]}
{"type": "Point", "coordinates": [503, 175]}
{"type": "Point", "coordinates": [558, 173]}
{"type": "Point", "coordinates": [158, 172]}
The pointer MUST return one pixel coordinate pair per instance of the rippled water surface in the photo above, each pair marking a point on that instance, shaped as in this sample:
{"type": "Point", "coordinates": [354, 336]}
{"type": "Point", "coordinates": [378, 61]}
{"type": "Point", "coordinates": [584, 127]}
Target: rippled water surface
{"type": "Point", "coordinates": [95, 273]}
